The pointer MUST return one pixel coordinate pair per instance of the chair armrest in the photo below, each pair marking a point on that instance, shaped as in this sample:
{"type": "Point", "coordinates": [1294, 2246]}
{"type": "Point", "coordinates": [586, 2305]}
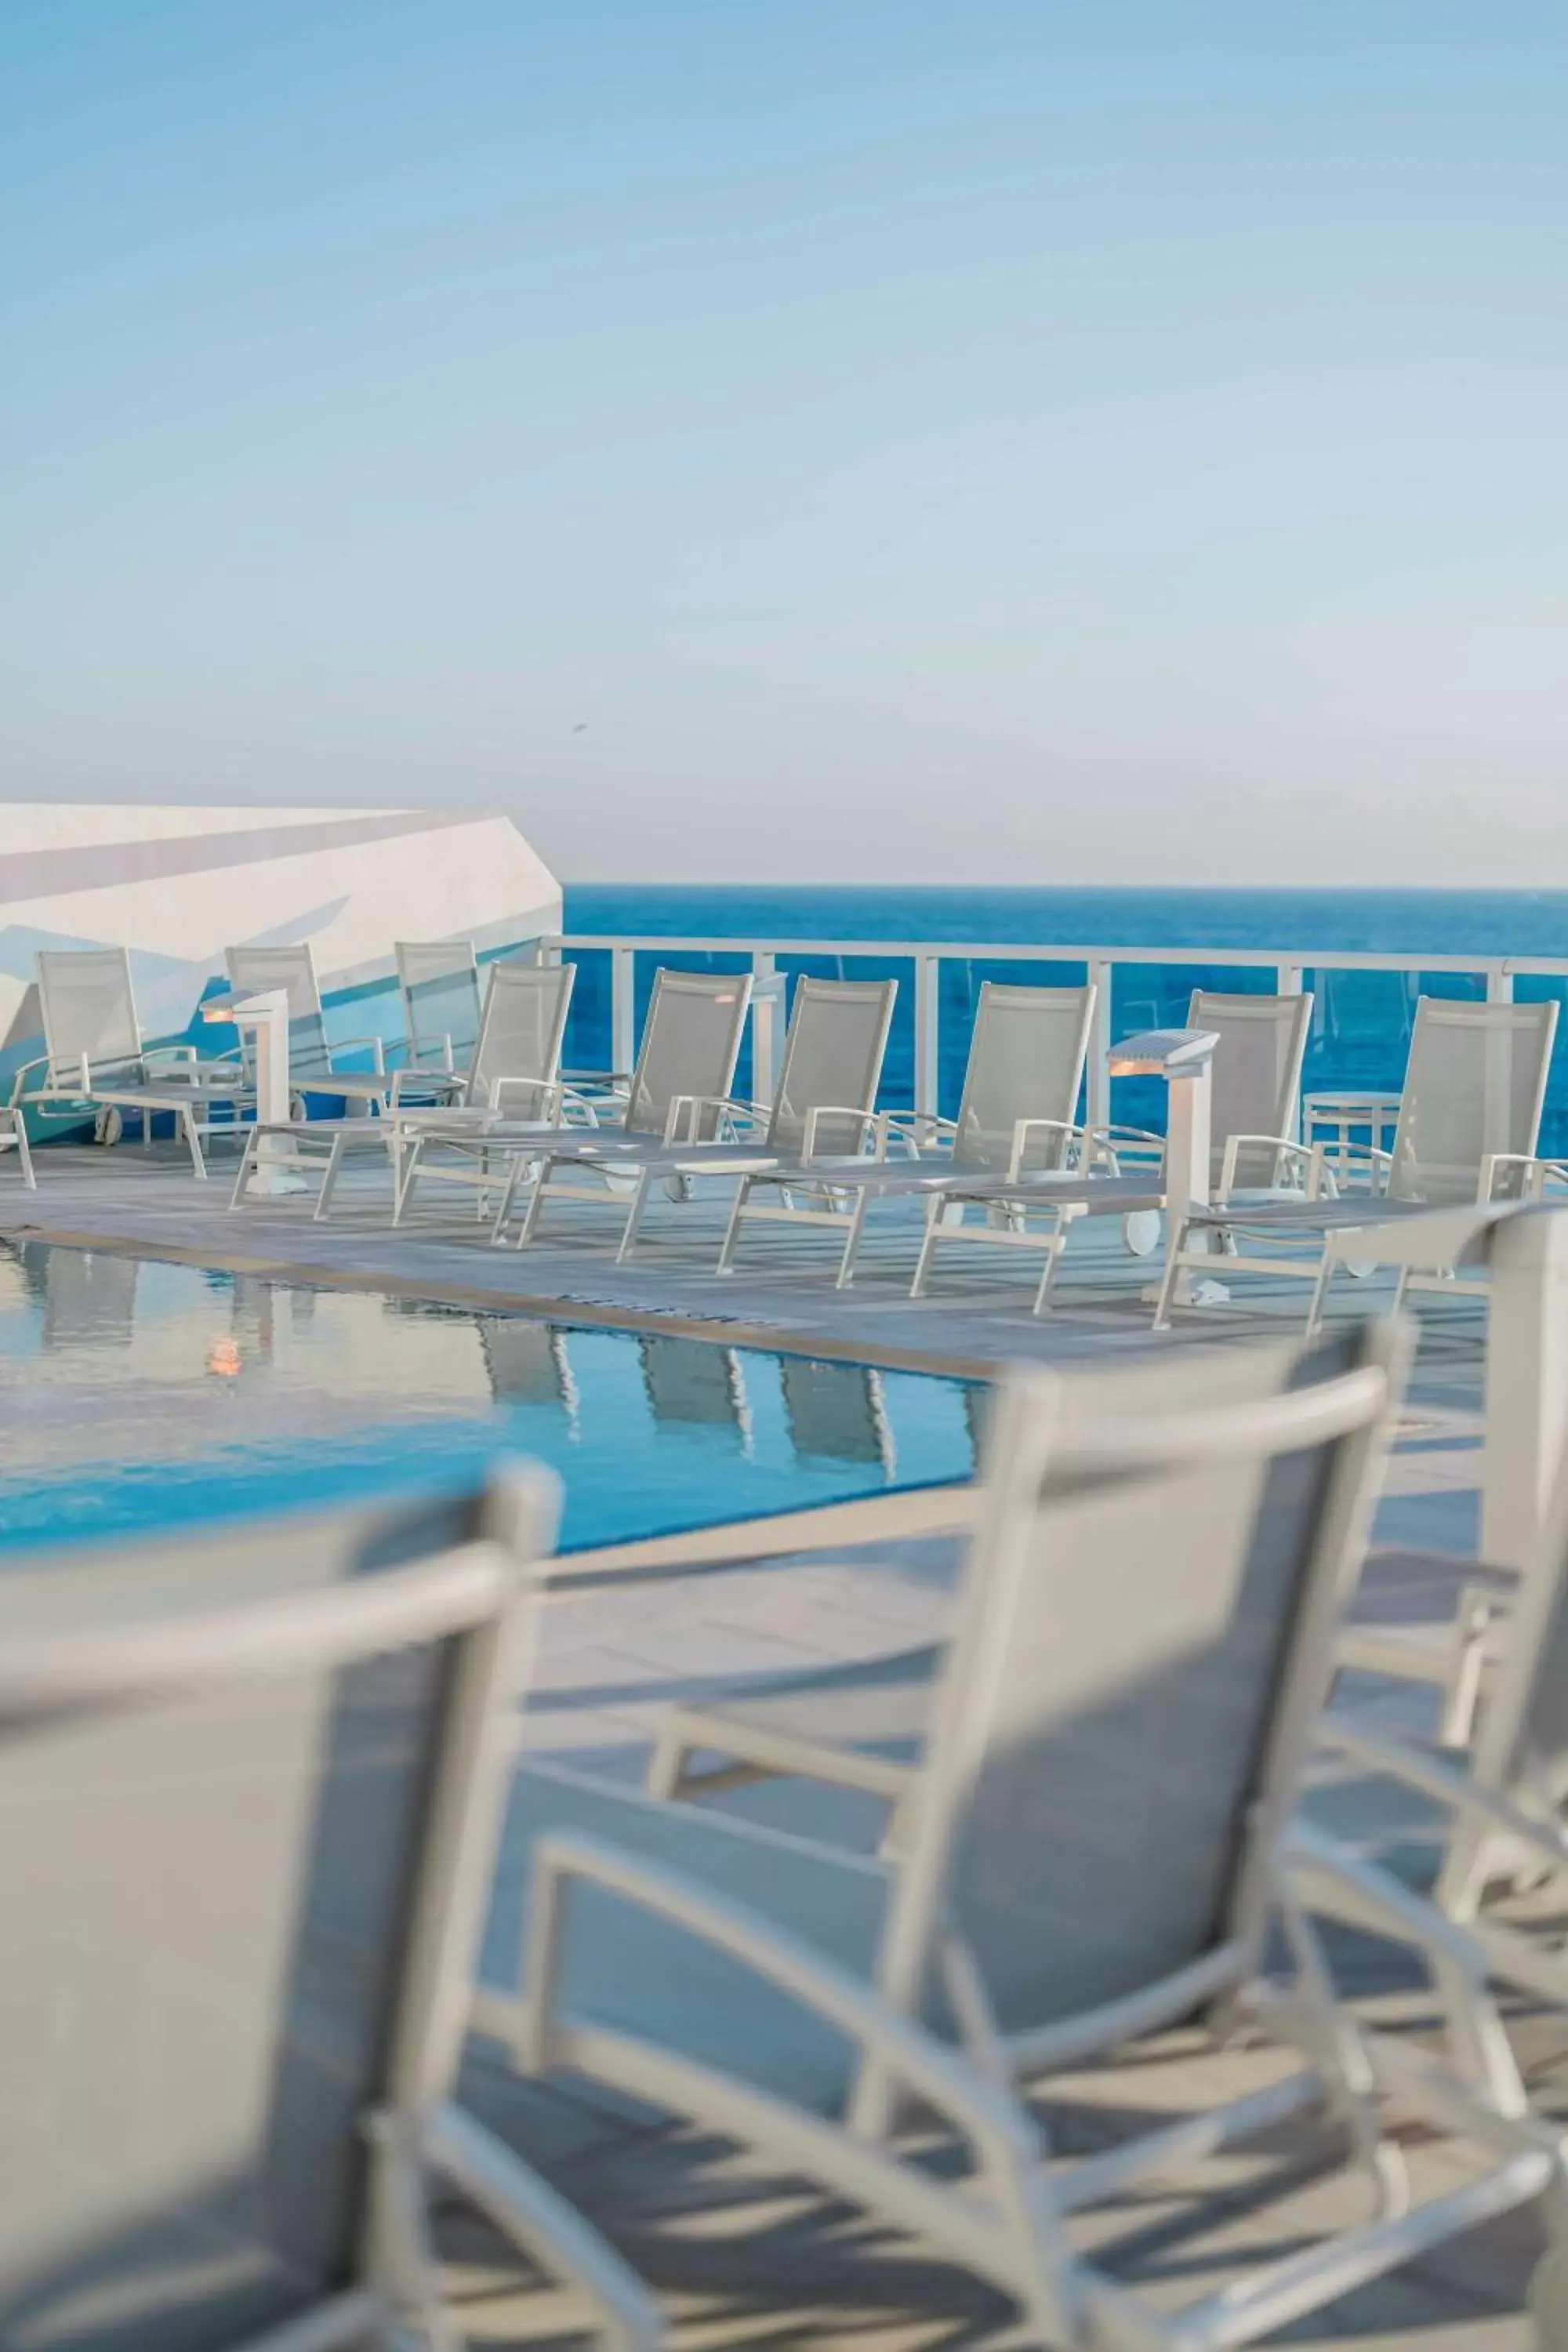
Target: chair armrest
{"type": "Point", "coordinates": [907, 1127]}
{"type": "Point", "coordinates": [866, 1121]}
{"type": "Point", "coordinates": [353, 1046]}
{"type": "Point", "coordinates": [685, 1113]}
{"type": "Point", "coordinates": [1446, 1784]}
{"type": "Point", "coordinates": [1323, 1181]}
{"type": "Point", "coordinates": [544, 1092]}
{"type": "Point", "coordinates": [1284, 1147]}
{"type": "Point", "coordinates": [1067, 1128]}
{"type": "Point", "coordinates": [997, 2129]}
{"type": "Point", "coordinates": [448, 1086]}
{"type": "Point", "coordinates": [39, 1062]}
{"type": "Point", "coordinates": [1532, 1171]}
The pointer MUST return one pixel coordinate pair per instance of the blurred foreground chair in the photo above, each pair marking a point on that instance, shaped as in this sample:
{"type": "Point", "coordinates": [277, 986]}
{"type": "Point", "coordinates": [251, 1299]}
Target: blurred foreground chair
{"type": "Point", "coordinates": [1099, 1847]}
{"type": "Point", "coordinates": [250, 1783]}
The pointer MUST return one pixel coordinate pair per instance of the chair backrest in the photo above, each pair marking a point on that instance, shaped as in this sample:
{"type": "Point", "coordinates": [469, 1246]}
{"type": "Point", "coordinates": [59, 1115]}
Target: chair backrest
{"type": "Point", "coordinates": [88, 1009]}
{"type": "Point", "coordinates": [248, 1845]}
{"type": "Point", "coordinates": [690, 1044]}
{"type": "Point", "coordinates": [293, 970]}
{"type": "Point", "coordinates": [1256, 1072]}
{"type": "Point", "coordinates": [1475, 1084]}
{"type": "Point", "coordinates": [520, 1033]}
{"type": "Point", "coordinates": [439, 984]}
{"type": "Point", "coordinates": [1144, 1640]}
{"type": "Point", "coordinates": [832, 1056]}
{"type": "Point", "coordinates": [1025, 1061]}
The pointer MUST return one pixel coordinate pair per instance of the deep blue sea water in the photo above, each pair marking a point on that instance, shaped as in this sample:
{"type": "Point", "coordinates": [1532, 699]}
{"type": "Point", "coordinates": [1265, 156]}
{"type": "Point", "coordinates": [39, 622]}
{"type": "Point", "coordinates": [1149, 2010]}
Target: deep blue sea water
{"type": "Point", "coordinates": [1361, 1020]}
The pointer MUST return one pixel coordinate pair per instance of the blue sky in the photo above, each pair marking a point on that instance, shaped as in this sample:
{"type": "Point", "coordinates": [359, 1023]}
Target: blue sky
{"type": "Point", "coordinates": [839, 439]}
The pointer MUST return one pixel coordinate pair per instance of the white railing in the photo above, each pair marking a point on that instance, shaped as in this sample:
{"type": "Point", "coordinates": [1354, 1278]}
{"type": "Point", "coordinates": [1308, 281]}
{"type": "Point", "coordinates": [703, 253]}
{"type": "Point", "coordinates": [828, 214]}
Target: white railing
{"type": "Point", "coordinates": [926, 956]}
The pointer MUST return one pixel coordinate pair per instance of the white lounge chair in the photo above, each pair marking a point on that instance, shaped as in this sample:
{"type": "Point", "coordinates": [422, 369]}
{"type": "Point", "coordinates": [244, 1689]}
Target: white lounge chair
{"type": "Point", "coordinates": [312, 1060]}
{"type": "Point", "coordinates": [1469, 1120]}
{"type": "Point", "coordinates": [824, 1109]}
{"type": "Point", "coordinates": [515, 1066]}
{"type": "Point", "coordinates": [1144, 1640]}
{"type": "Point", "coordinates": [1255, 1076]}
{"type": "Point", "coordinates": [439, 984]}
{"type": "Point", "coordinates": [96, 1059]}
{"type": "Point", "coordinates": [14, 1132]}
{"type": "Point", "coordinates": [250, 1782]}
{"type": "Point", "coordinates": [1017, 1117]}
{"type": "Point", "coordinates": [691, 1044]}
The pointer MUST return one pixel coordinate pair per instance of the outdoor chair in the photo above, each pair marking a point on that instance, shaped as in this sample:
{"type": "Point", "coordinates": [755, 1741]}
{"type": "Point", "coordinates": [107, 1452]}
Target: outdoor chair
{"type": "Point", "coordinates": [515, 1064]}
{"type": "Point", "coordinates": [1256, 1080]}
{"type": "Point", "coordinates": [438, 980]}
{"type": "Point", "coordinates": [822, 1116]}
{"type": "Point", "coordinates": [312, 1059]}
{"type": "Point", "coordinates": [1470, 1118]}
{"type": "Point", "coordinates": [14, 1133]}
{"type": "Point", "coordinates": [250, 1782]}
{"type": "Point", "coordinates": [1097, 1851]}
{"type": "Point", "coordinates": [1016, 1118]}
{"type": "Point", "coordinates": [691, 1044]}
{"type": "Point", "coordinates": [96, 1060]}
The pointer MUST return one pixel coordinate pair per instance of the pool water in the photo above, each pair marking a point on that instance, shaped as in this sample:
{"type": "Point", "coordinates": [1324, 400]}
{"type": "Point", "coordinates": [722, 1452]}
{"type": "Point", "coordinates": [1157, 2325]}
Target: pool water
{"type": "Point", "coordinates": [135, 1395]}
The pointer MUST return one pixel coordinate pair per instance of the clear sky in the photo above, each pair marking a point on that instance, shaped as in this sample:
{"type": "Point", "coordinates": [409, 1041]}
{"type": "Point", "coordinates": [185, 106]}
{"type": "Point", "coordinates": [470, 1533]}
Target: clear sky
{"type": "Point", "coordinates": [805, 439]}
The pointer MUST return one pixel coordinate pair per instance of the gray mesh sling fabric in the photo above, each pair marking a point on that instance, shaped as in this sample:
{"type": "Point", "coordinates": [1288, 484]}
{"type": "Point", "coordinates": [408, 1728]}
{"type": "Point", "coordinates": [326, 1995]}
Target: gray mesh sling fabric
{"type": "Point", "coordinates": [1103, 1737]}
{"type": "Point", "coordinates": [1025, 1062]}
{"type": "Point", "coordinates": [199, 1950]}
{"type": "Point", "coordinates": [833, 1058]}
{"type": "Point", "coordinates": [89, 1010]}
{"type": "Point", "coordinates": [690, 1044]}
{"type": "Point", "coordinates": [834, 1411]}
{"type": "Point", "coordinates": [293, 970]}
{"type": "Point", "coordinates": [1256, 1072]}
{"type": "Point", "coordinates": [691, 1382]}
{"type": "Point", "coordinates": [440, 984]}
{"type": "Point", "coordinates": [520, 1034]}
{"type": "Point", "coordinates": [1474, 1084]}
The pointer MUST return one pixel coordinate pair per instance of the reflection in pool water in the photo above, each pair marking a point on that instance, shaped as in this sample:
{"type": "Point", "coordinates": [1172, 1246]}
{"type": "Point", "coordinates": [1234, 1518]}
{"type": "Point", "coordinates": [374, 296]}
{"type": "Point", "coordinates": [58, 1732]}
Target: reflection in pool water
{"type": "Point", "coordinates": [136, 1393]}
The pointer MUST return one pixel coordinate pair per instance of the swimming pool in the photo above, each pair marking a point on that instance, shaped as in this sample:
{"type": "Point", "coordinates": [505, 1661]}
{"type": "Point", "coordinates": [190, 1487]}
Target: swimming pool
{"type": "Point", "coordinates": [134, 1394]}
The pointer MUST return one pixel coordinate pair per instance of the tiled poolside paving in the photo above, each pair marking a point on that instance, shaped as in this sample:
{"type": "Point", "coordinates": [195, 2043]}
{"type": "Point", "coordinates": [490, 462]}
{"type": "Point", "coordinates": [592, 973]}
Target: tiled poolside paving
{"type": "Point", "coordinates": [741, 2258]}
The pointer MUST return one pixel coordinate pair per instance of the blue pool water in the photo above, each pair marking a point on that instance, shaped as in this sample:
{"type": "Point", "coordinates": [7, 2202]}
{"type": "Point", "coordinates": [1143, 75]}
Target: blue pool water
{"type": "Point", "coordinates": [138, 1395]}
{"type": "Point", "coordinates": [1361, 1020]}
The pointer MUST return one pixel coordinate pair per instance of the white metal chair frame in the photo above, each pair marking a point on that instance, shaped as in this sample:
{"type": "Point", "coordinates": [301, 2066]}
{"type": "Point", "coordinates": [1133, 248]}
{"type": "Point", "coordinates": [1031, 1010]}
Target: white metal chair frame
{"type": "Point", "coordinates": [428, 963]}
{"type": "Point", "coordinates": [453, 1143]}
{"type": "Point", "coordinates": [621, 1164]}
{"type": "Point", "coordinates": [1327, 1218]}
{"type": "Point", "coordinates": [1042, 1141]}
{"type": "Point", "coordinates": [134, 1077]}
{"type": "Point", "coordinates": [292, 969]}
{"type": "Point", "coordinates": [1291, 1161]}
{"type": "Point", "coordinates": [473, 1596]}
{"type": "Point", "coordinates": [1005, 2218]}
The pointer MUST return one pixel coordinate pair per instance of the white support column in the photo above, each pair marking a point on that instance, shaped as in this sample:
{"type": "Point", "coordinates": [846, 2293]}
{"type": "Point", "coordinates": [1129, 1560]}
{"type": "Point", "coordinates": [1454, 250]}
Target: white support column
{"type": "Point", "coordinates": [1527, 1382]}
{"type": "Point", "coordinates": [1288, 979]}
{"type": "Point", "coordinates": [1097, 1071]}
{"type": "Point", "coordinates": [928, 1067]}
{"type": "Point", "coordinates": [1499, 986]}
{"type": "Point", "coordinates": [623, 1010]}
{"type": "Point", "coordinates": [767, 1028]}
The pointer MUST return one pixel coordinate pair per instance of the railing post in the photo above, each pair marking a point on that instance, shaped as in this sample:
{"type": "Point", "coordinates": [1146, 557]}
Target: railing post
{"type": "Point", "coordinates": [1288, 979]}
{"type": "Point", "coordinates": [767, 1028]}
{"type": "Point", "coordinates": [623, 1010]}
{"type": "Point", "coordinates": [928, 1061]}
{"type": "Point", "coordinates": [1097, 1074]}
{"type": "Point", "coordinates": [1500, 985]}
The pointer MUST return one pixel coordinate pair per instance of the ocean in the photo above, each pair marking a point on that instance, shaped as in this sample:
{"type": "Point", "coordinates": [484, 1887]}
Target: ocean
{"type": "Point", "coordinates": [1361, 1024]}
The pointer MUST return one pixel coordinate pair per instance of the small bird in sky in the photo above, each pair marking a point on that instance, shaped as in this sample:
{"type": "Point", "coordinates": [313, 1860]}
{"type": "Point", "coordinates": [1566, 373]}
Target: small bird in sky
{"type": "Point", "coordinates": [581, 728]}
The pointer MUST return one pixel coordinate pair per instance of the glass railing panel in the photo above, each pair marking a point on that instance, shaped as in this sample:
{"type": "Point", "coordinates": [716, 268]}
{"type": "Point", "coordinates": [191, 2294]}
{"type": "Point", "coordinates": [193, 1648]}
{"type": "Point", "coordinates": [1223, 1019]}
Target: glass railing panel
{"type": "Point", "coordinates": [1548, 988]}
{"type": "Point", "coordinates": [588, 1024]}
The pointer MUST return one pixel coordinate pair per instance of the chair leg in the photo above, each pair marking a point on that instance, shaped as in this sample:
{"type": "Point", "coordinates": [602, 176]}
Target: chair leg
{"type": "Point", "coordinates": [507, 1201]}
{"type": "Point", "coordinates": [330, 1181]}
{"type": "Point", "coordinates": [1174, 1260]}
{"type": "Point", "coordinates": [194, 1140]}
{"type": "Point", "coordinates": [852, 1238]}
{"type": "Point", "coordinates": [635, 1216]}
{"type": "Point", "coordinates": [935, 1214]}
{"type": "Point", "coordinates": [408, 1180]}
{"type": "Point", "coordinates": [1401, 1283]}
{"type": "Point", "coordinates": [247, 1163]}
{"type": "Point", "coordinates": [535, 1206]}
{"type": "Point", "coordinates": [1055, 1245]}
{"type": "Point", "coordinates": [732, 1230]}
{"type": "Point", "coordinates": [1320, 1295]}
{"type": "Point", "coordinates": [25, 1153]}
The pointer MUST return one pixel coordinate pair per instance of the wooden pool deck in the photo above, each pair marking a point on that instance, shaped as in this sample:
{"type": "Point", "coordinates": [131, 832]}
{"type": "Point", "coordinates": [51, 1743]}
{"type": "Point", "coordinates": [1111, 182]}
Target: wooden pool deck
{"type": "Point", "coordinates": [742, 2259]}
